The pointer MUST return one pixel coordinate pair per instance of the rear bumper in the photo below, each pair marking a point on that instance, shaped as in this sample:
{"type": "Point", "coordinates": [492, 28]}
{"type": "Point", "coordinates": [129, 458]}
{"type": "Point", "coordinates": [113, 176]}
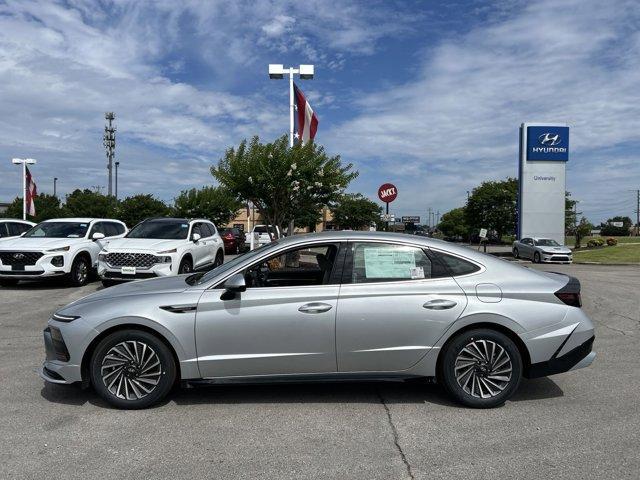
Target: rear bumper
{"type": "Point", "coordinates": [580, 357]}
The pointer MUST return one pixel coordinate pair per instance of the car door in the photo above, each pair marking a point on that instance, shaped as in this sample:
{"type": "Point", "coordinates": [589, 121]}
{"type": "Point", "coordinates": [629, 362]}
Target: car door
{"type": "Point", "coordinates": [198, 250]}
{"type": "Point", "coordinates": [95, 246]}
{"type": "Point", "coordinates": [280, 327]}
{"type": "Point", "coordinates": [213, 241]}
{"type": "Point", "coordinates": [395, 302]}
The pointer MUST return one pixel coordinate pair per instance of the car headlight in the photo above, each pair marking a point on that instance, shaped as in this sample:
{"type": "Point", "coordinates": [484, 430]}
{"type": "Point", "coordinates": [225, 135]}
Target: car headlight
{"type": "Point", "coordinates": [164, 259]}
{"type": "Point", "coordinates": [58, 317]}
{"type": "Point", "coordinates": [61, 249]}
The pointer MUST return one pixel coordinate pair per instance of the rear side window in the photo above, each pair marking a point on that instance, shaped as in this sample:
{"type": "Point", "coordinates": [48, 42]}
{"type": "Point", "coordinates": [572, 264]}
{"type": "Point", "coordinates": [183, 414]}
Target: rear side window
{"type": "Point", "coordinates": [205, 230]}
{"type": "Point", "coordinates": [456, 265]}
{"type": "Point", "coordinates": [386, 262]}
{"type": "Point", "coordinates": [3, 230]}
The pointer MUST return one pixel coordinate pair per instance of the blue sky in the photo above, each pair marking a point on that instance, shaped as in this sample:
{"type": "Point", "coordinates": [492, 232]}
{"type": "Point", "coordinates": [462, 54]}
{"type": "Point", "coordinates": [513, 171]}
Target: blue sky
{"type": "Point", "coordinates": [426, 95]}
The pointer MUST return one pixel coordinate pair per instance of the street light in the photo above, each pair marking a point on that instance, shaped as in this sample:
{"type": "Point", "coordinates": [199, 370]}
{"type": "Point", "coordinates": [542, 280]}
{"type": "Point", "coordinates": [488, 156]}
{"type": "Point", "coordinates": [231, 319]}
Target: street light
{"type": "Point", "coordinates": [24, 162]}
{"type": "Point", "coordinates": [277, 72]}
{"type": "Point", "coordinates": [55, 181]}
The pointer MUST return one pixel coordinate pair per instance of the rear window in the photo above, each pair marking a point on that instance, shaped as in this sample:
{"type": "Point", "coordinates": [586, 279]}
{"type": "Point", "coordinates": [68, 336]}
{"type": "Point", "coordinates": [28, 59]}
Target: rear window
{"type": "Point", "coordinates": [456, 265]}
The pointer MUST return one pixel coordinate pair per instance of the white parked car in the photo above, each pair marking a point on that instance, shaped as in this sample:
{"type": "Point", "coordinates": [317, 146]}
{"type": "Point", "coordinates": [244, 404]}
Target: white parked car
{"type": "Point", "coordinates": [57, 247]}
{"type": "Point", "coordinates": [263, 235]}
{"type": "Point", "coordinates": [542, 250]}
{"type": "Point", "coordinates": [13, 227]}
{"type": "Point", "coordinates": [158, 247]}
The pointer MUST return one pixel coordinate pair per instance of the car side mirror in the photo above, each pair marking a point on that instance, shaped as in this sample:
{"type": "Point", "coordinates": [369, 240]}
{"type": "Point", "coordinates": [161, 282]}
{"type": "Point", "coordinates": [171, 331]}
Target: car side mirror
{"type": "Point", "coordinates": [234, 284]}
{"type": "Point", "coordinates": [195, 237]}
{"type": "Point", "coordinates": [97, 236]}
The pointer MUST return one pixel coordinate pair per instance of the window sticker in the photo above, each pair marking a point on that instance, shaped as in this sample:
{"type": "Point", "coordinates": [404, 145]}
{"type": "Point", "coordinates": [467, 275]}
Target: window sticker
{"type": "Point", "coordinates": [417, 273]}
{"type": "Point", "coordinates": [389, 263]}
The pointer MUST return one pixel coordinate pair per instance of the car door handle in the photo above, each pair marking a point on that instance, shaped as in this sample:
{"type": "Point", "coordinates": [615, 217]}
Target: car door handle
{"type": "Point", "coordinates": [315, 307]}
{"type": "Point", "coordinates": [439, 304]}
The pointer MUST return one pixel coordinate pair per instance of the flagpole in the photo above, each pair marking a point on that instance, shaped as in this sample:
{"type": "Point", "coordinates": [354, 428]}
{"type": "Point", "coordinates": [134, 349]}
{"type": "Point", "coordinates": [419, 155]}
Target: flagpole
{"type": "Point", "coordinates": [291, 107]}
{"type": "Point", "coordinates": [24, 190]}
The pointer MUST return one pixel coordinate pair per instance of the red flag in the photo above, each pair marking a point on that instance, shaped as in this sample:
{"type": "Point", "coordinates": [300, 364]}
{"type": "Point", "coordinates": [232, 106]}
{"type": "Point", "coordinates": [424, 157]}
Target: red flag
{"type": "Point", "coordinates": [31, 193]}
{"type": "Point", "coordinates": [306, 119]}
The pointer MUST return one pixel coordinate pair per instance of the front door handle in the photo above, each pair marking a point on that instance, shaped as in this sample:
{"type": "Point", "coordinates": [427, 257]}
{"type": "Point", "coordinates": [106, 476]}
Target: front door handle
{"type": "Point", "coordinates": [439, 304]}
{"type": "Point", "coordinates": [315, 307]}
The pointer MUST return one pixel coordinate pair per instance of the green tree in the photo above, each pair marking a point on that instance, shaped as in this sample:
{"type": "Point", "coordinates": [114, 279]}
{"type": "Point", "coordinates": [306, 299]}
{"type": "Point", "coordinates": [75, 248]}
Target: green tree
{"type": "Point", "coordinates": [47, 206]}
{"type": "Point", "coordinates": [607, 229]}
{"type": "Point", "coordinates": [217, 204]}
{"type": "Point", "coordinates": [87, 203]}
{"type": "Point", "coordinates": [570, 217]}
{"type": "Point", "coordinates": [453, 224]}
{"type": "Point", "coordinates": [283, 182]}
{"type": "Point", "coordinates": [354, 211]}
{"type": "Point", "coordinates": [132, 210]}
{"type": "Point", "coordinates": [583, 229]}
{"type": "Point", "coordinates": [492, 205]}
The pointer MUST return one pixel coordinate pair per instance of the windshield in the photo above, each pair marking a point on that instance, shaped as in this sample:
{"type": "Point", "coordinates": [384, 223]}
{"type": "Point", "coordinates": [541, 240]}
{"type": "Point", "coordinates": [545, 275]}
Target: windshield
{"type": "Point", "coordinates": [58, 230]}
{"type": "Point", "coordinates": [547, 242]}
{"type": "Point", "coordinates": [199, 278]}
{"type": "Point", "coordinates": [164, 230]}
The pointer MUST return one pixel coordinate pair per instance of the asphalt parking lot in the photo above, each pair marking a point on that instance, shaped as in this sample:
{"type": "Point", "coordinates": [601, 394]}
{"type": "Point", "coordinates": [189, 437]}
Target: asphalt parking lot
{"type": "Point", "coordinates": [582, 424]}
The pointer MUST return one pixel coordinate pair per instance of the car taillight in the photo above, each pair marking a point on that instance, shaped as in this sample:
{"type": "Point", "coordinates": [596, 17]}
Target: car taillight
{"type": "Point", "coordinates": [570, 298]}
{"type": "Point", "coordinates": [229, 236]}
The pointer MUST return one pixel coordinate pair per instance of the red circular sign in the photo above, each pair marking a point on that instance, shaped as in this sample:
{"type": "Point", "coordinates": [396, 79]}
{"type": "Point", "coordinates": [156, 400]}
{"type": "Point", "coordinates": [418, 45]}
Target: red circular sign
{"type": "Point", "coordinates": [387, 192]}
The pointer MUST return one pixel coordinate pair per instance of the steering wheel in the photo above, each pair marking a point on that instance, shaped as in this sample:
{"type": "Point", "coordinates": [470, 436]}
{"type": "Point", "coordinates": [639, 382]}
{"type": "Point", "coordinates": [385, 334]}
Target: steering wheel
{"type": "Point", "coordinates": [260, 275]}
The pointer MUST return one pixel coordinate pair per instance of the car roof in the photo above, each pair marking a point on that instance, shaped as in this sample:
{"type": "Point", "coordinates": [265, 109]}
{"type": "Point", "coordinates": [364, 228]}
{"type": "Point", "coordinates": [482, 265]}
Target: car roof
{"type": "Point", "coordinates": [81, 219]}
{"type": "Point", "coordinates": [176, 219]}
{"type": "Point", "coordinates": [16, 220]}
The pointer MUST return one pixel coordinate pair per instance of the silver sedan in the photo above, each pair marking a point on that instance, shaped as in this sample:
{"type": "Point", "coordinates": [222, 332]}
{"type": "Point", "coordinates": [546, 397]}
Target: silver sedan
{"type": "Point", "coordinates": [330, 306]}
{"type": "Point", "coordinates": [542, 250]}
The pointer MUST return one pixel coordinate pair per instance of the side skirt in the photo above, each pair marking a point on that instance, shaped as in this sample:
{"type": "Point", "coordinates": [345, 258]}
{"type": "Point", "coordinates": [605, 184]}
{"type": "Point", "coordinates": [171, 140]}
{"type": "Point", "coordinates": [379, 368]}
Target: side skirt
{"type": "Point", "coordinates": [310, 378]}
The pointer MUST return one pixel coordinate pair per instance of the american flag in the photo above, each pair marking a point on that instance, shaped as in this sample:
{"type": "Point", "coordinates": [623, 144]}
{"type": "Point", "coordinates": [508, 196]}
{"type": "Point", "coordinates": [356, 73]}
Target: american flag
{"type": "Point", "coordinates": [31, 193]}
{"type": "Point", "coordinates": [306, 119]}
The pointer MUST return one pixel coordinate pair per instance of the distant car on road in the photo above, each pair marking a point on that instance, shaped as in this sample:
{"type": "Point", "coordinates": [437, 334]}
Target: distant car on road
{"type": "Point", "coordinates": [327, 306]}
{"type": "Point", "coordinates": [158, 247]}
{"type": "Point", "coordinates": [263, 234]}
{"type": "Point", "coordinates": [234, 240]}
{"type": "Point", "coordinates": [58, 247]}
{"type": "Point", "coordinates": [13, 227]}
{"type": "Point", "coordinates": [542, 250]}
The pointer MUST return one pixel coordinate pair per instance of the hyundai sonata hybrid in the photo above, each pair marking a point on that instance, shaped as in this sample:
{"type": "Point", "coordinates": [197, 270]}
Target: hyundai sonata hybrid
{"type": "Point", "coordinates": [323, 307]}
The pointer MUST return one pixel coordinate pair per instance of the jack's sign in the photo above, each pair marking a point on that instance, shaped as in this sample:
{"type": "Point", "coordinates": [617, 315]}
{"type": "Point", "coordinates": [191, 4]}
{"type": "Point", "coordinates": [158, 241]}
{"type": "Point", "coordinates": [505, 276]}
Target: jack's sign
{"type": "Point", "coordinates": [548, 143]}
{"type": "Point", "coordinates": [387, 192]}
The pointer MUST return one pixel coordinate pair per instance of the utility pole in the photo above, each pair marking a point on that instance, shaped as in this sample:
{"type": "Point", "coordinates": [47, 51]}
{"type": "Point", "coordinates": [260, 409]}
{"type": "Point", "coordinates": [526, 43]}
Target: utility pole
{"type": "Point", "coordinates": [637, 212]}
{"type": "Point", "coordinates": [109, 142]}
{"type": "Point", "coordinates": [430, 210]}
{"type": "Point", "coordinates": [117, 165]}
{"type": "Point", "coordinates": [437, 219]}
{"type": "Point", "coordinates": [55, 181]}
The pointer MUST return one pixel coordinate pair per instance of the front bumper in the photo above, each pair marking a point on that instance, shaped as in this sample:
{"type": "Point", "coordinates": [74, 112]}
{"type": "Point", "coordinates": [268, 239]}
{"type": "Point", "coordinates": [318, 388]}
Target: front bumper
{"type": "Point", "coordinates": [107, 272]}
{"type": "Point", "coordinates": [556, 257]}
{"type": "Point", "coordinates": [43, 267]}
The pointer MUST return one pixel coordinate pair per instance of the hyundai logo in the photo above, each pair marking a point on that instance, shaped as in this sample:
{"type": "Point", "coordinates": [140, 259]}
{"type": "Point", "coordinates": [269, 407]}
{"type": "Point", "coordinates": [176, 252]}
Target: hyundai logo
{"type": "Point", "coordinates": [19, 256]}
{"type": "Point", "coordinates": [549, 139]}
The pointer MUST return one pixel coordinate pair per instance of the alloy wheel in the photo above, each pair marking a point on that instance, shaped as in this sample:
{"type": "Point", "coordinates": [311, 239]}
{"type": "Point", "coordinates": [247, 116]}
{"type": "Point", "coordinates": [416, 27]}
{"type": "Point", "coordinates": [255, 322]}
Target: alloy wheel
{"type": "Point", "coordinates": [82, 272]}
{"type": "Point", "coordinates": [483, 368]}
{"type": "Point", "coordinates": [131, 370]}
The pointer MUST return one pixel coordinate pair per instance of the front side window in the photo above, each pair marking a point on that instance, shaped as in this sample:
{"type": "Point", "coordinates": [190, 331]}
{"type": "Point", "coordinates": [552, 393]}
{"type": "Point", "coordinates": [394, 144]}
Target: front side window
{"type": "Point", "coordinates": [310, 265]}
{"type": "Point", "coordinates": [385, 262]}
{"type": "Point", "coordinates": [161, 230]}
{"type": "Point", "coordinates": [59, 230]}
{"type": "Point", "coordinates": [547, 242]}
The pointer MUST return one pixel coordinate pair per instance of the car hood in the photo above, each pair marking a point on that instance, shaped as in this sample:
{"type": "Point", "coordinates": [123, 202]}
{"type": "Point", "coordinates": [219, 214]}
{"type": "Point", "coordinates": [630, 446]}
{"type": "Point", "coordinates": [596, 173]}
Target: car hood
{"type": "Point", "coordinates": [172, 284]}
{"type": "Point", "coordinates": [36, 243]}
{"type": "Point", "coordinates": [560, 249]}
{"type": "Point", "coordinates": [146, 244]}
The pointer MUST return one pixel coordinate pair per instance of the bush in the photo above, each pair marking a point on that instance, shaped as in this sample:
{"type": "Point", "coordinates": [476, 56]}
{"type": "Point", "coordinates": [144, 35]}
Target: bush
{"type": "Point", "coordinates": [595, 242]}
{"type": "Point", "coordinates": [612, 241]}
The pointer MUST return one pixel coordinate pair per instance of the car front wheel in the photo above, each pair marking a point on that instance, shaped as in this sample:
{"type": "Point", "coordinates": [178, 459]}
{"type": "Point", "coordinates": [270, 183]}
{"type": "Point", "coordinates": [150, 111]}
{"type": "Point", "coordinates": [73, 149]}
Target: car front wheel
{"type": "Point", "coordinates": [481, 368]}
{"type": "Point", "coordinates": [516, 254]}
{"type": "Point", "coordinates": [536, 258]}
{"type": "Point", "coordinates": [132, 369]}
{"type": "Point", "coordinates": [80, 271]}
{"type": "Point", "coordinates": [185, 266]}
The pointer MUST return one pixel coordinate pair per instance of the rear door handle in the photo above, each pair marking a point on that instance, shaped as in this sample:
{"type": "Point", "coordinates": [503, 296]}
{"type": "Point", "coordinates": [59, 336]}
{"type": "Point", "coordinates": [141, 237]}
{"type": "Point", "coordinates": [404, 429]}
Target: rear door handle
{"type": "Point", "coordinates": [315, 307]}
{"type": "Point", "coordinates": [439, 304]}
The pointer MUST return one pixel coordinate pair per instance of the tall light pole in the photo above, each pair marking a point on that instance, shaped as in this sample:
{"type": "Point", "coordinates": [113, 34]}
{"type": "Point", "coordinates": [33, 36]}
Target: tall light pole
{"type": "Point", "coordinates": [109, 142]}
{"type": "Point", "coordinates": [55, 181]}
{"type": "Point", "coordinates": [277, 72]}
{"type": "Point", "coordinates": [117, 165]}
{"type": "Point", "coordinates": [24, 162]}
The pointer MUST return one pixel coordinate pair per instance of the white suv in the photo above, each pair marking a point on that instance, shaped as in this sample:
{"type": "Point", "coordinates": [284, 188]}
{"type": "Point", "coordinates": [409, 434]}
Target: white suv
{"type": "Point", "coordinates": [162, 246]}
{"type": "Point", "coordinates": [13, 227]}
{"type": "Point", "coordinates": [57, 247]}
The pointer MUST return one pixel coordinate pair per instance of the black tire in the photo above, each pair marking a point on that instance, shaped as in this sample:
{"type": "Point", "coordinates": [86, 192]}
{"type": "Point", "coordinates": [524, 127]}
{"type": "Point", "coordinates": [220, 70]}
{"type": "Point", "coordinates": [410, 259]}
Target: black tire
{"type": "Point", "coordinates": [8, 282]}
{"type": "Point", "coordinates": [109, 283]}
{"type": "Point", "coordinates": [536, 257]}
{"type": "Point", "coordinates": [516, 254]}
{"type": "Point", "coordinates": [219, 259]}
{"type": "Point", "coordinates": [129, 398]}
{"type": "Point", "coordinates": [463, 393]}
{"type": "Point", "coordinates": [80, 271]}
{"type": "Point", "coordinates": [186, 266]}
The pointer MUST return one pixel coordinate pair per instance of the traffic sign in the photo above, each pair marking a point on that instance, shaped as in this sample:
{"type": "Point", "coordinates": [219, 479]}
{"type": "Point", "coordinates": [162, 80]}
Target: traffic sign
{"type": "Point", "coordinates": [411, 219]}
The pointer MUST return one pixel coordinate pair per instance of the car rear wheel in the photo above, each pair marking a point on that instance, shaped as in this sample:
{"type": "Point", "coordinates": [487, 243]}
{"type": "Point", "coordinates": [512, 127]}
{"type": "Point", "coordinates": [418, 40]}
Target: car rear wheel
{"type": "Point", "coordinates": [185, 266]}
{"type": "Point", "coordinates": [132, 369]}
{"type": "Point", "coordinates": [80, 271]}
{"type": "Point", "coordinates": [481, 368]}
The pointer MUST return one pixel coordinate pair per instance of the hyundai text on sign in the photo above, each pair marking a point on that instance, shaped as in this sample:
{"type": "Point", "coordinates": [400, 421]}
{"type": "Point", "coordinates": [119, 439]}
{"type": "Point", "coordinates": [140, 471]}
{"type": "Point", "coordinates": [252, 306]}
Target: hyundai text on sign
{"type": "Point", "coordinates": [548, 143]}
{"type": "Point", "coordinates": [387, 192]}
